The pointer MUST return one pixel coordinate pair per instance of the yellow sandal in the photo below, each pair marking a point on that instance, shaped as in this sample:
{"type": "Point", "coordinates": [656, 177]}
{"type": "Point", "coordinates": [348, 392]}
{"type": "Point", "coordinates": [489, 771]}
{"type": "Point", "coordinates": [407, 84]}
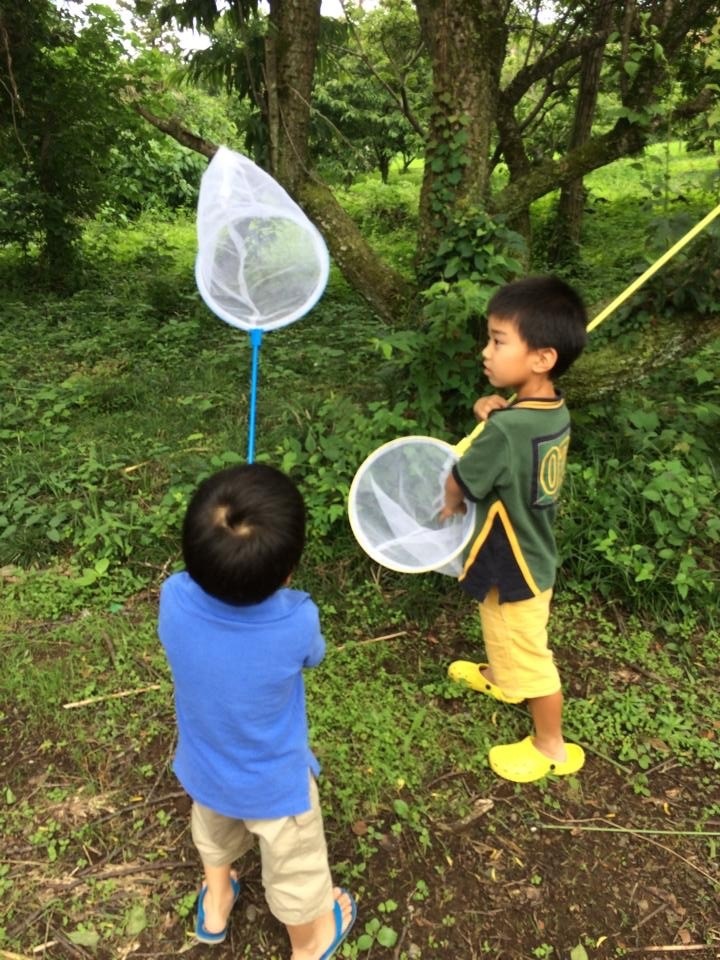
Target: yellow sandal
{"type": "Point", "coordinates": [469, 673]}
{"type": "Point", "coordinates": [522, 762]}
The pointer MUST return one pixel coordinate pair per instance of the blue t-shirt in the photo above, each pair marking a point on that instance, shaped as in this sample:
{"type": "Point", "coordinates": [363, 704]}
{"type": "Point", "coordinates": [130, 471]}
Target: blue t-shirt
{"type": "Point", "coordinates": [240, 699]}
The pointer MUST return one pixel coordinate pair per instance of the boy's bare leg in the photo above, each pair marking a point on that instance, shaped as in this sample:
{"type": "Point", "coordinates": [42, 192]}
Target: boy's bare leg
{"type": "Point", "coordinates": [547, 719]}
{"type": "Point", "coordinates": [219, 897]}
{"type": "Point", "coordinates": [310, 940]}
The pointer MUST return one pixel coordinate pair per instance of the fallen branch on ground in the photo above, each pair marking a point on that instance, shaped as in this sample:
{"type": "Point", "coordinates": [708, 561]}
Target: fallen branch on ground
{"type": "Point", "coordinates": [360, 643]}
{"type": "Point", "coordinates": [110, 696]}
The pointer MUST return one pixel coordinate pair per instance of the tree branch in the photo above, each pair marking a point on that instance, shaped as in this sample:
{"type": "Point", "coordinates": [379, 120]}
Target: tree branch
{"type": "Point", "coordinates": [177, 131]}
{"type": "Point", "coordinates": [624, 139]}
{"type": "Point", "coordinates": [384, 289]}
{"type": "Point", "coordinates": [546, 66]}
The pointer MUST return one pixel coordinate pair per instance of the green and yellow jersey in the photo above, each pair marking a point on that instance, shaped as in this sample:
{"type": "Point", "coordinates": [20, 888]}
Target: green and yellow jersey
{"type": "Point", "coordinates": [513, 472]}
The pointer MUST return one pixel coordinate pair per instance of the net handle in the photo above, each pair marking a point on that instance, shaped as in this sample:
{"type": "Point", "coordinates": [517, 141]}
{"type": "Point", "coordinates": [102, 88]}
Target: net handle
{"type": "Point", "coordinates": [463, 445]}
{"type": "Point", "coordinates": [256, 336]}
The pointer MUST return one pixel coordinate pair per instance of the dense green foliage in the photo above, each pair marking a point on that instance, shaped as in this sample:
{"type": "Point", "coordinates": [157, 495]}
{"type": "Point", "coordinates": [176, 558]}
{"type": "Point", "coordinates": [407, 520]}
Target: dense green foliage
{"type": "Point", "coordinates": [71, 142]}
{"type": "Point", "coordinates": [59, 119]}
{"type": "Point", "coordinates": [102, 442]}
{"type": "Point", "coordinates": [373, 79]}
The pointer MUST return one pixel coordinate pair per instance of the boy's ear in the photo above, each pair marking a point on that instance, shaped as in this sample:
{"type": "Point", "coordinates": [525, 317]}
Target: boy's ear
{"type": "Point", "coordinates": [545, 359]}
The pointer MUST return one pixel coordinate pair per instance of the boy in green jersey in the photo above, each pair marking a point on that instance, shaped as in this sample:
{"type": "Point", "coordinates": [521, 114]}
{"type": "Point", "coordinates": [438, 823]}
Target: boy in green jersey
{"type": "Point", "coordinates": [513, 472]}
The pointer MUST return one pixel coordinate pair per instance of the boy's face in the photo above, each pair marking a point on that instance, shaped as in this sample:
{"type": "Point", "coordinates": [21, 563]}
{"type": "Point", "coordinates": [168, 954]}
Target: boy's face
{"type": "Point", "coordinates": [509, 361]}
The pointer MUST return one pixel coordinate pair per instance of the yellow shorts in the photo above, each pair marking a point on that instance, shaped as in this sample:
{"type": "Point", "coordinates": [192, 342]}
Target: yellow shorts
{"type": "Point", "coordinates": [295, 869]}
{"type": "Point", "coordinates": [516, 643]}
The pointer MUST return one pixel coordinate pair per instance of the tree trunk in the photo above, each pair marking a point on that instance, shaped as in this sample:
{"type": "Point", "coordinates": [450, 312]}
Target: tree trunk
{"type": "Point", "coordinates": [387, 292]}
{"type": "Point", "coordinates": [466, 40]}
{"type": "Point", "coordinates": [290, 50]}
{"type": "Point", "coordinates": [572, 196]}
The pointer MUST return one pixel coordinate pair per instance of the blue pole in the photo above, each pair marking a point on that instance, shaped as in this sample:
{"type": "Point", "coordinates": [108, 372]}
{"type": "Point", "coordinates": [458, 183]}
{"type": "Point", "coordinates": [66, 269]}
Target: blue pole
{"type": "Point", "coordinates": [256, 342]}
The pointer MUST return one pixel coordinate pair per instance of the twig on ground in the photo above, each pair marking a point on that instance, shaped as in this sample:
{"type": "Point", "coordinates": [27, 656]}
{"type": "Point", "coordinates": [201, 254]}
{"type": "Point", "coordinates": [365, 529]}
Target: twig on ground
{"type": "Point", "coordinates": [669, 948]}
{"type": "Point", "coordinates": [401, 938]}
{"type": "Point", "coordinates": [42, 947]}
{"type": "Point", "coordinates": [144, 463]}
{"type": "Point", "coordinates": [480, 808]}
{"type": "Point", "coordinates": [148, 802]}
{"type": "Point", "coordinates": [74, 948]}
{"type": "Point", "coordinates": [132, 868]}
{"type": "Point", "coordinates": [649, 916]}
{"type": "Point", "coordinates": [110, 696]}
{"type": "Point", "coordinates": [641, 834]}
{"type": "Point", "coordinates": [361, 643]}
{"type": "Point", "coordinates": [639, 830]}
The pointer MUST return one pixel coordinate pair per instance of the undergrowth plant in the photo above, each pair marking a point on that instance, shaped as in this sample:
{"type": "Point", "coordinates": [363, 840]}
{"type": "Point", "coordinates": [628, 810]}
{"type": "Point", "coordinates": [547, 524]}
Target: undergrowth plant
{"type": "Point", "coordinates": [640, 518]}
{"type": "Point", "coordinates": [116, 402]}
{"type": "Point", "coordinates": [438, 360]}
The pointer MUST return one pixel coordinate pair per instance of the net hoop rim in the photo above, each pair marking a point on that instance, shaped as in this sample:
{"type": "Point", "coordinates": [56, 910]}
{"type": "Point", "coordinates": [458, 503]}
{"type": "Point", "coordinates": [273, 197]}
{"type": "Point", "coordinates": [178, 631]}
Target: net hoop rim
{"type": "Point", "coordinates": [323, 260]}
{"type": "Point", "coordinates": [357, 529]}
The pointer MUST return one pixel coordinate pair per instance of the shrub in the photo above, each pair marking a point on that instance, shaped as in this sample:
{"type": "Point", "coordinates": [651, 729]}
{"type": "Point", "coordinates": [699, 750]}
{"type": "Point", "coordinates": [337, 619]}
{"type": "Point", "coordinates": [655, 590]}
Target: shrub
{"type": "Point", "coordinates": [641, 519]}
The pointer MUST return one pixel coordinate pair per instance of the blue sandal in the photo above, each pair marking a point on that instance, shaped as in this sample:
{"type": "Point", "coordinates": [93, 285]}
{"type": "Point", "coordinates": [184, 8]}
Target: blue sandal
{"type": "Point", "coordinates": [203, 935]}
{"type": "Point", "coordinates": [340, 934]}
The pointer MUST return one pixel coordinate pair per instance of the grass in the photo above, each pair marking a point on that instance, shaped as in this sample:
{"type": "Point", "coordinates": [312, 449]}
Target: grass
{"type": "Point", "coordinates": [93, 798]}
{"type": "Point", "coordinates": [623, 199]}
{"type": "Point", "coordinates": [115, 402]}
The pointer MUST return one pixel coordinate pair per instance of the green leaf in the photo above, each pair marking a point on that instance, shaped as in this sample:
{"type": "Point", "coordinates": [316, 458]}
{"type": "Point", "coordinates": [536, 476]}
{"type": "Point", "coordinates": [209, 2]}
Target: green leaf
{"type": "Point", "coordinates": [87, 577]}
{"type": "Point", "coordinates": [631, 68]}
{"type": "Point", "coordinates": [84, 938]}
{"type": "Point", "coordinates": [364, 942]}
{"type": "Point", "coordinates": [387, 937]}
{"type": "Point", "coordinates": [578, 953]}
{"type": "Point", "coordinates": [452, 267]}
{"type": "Point", "coordinates": [136, 920]}
{"type": "Point", "coordinates": [644, 419]}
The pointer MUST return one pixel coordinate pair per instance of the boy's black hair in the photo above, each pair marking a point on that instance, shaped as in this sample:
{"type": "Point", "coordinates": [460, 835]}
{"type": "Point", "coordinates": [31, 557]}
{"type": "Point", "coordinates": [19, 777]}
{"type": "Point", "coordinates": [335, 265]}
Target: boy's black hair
{"type": "Point", "coordinates": [547, 313]}
{"type": "Point", "coordinates": [244, 533]}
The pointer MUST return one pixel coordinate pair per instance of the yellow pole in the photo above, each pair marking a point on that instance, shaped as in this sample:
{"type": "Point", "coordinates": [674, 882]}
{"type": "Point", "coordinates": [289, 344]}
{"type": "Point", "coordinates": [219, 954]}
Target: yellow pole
{"type": "Point", "coordinates": [660, 262]}
{"type": "Point", "coordinates": [463, 444]}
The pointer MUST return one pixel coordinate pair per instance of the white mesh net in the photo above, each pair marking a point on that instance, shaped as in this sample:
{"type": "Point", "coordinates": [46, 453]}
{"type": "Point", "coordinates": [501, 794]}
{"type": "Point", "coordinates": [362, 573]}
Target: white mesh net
{"type": "Point", "coordinates": [261, 263]}
{"type": "Point", "coordinates": [394, 502]}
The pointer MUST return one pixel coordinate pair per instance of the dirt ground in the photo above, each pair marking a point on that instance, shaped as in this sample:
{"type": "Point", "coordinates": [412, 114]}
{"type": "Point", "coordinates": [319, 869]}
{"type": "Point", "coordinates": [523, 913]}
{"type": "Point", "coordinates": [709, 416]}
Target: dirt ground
{"type": "Point", "coordinates": [579, 868]}
{"type": "Point", "coordinates": [594, 885]}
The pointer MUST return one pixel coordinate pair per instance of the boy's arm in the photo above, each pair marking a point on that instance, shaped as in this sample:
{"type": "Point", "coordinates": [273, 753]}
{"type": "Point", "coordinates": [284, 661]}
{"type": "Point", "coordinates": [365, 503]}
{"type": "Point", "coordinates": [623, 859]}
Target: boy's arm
{"type": "Point", "coordinates": [316, 653]}
{"type": "Point", "coordinates": [478, 471]}
{"type": "Point", "coordinates": [454, 499]}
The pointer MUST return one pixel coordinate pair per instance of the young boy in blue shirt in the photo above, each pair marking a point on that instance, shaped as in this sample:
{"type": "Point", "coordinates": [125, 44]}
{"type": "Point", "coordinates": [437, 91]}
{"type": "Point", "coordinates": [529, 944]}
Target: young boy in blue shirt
{"type": "Point", "coordinates": [513, 472]}
{"type": "Point", "coordinates": [237, 640]}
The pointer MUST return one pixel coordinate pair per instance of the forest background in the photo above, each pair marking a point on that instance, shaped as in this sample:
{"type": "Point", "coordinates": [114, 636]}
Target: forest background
{"type": "Point", "coordinates": [442, 149]}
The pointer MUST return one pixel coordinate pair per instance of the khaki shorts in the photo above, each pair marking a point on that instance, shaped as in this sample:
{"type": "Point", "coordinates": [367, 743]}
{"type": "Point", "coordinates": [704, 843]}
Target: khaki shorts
{"type": "Point", "coordinates": [295, 869]}
{"type": "Point", "coordinates": [516, 643]}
